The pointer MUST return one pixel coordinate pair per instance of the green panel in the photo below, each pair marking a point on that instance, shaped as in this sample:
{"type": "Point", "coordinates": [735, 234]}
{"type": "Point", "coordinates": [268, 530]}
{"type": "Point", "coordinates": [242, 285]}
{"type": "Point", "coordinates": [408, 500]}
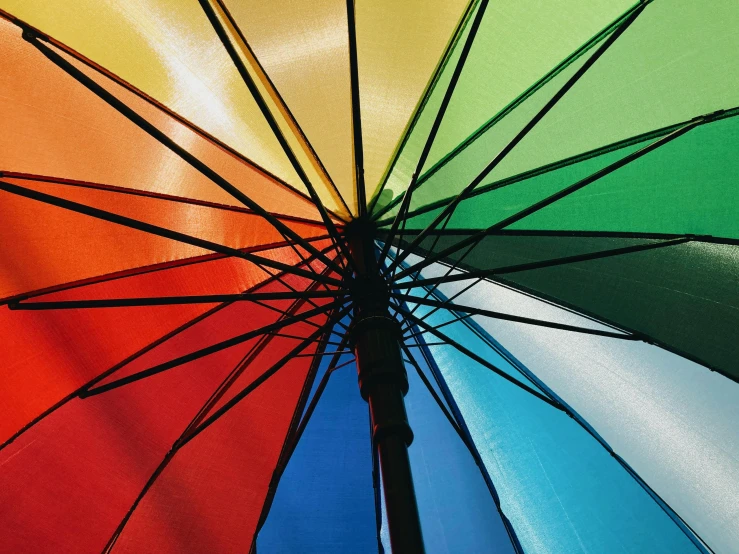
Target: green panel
{"type": "Point", "coordinates": [678, 60]}
{"type": "Point", "coordinates": [480, 212]}
{"type": "Point", "coordinates": [688, 185]}
{"type": "Point", "coordinates": [516, 51]}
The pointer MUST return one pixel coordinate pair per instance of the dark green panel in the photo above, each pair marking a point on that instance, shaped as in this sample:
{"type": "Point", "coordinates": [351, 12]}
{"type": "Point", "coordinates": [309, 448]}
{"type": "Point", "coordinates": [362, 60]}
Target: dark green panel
{"type": "Point", "coordinates": [684, 296]}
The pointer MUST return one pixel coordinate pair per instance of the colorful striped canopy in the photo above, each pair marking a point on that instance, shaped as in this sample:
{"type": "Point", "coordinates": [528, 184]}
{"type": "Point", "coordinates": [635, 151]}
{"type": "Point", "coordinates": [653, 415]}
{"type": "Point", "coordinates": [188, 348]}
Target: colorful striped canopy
{"type": "Point", "coordinates": [552, 193]}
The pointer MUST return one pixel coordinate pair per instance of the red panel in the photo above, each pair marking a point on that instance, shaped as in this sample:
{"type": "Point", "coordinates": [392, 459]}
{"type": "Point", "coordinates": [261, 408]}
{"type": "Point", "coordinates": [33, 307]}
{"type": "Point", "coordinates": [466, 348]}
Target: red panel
{"type": "Point", "coordinates": [49, 354]}
{"type": "Point", "coordinates": [209, 498]}
{"type": "Point", "coordinates": [72, 477]}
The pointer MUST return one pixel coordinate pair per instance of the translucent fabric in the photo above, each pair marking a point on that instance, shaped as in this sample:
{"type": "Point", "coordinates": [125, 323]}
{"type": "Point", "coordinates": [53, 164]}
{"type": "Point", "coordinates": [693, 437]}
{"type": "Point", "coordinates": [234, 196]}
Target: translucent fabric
{"type": "Point", "coordinates": [325, 500]}
{"type": "Point", "coordinates": [169, 50]}
{"type": "Point", "coordinates": [127, 431]}
{"type": "Point", "coordinates": [668, 418]}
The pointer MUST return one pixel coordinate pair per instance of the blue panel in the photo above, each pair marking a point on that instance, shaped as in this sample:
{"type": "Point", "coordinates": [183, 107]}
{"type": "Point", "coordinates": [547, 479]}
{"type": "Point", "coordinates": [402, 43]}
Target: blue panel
{"type": "Point", "coordinates": [325, 500]}
{"type": "Point", "coordinates": [559, 487]}
{"type": "Point", "coordinates": [457, 511]}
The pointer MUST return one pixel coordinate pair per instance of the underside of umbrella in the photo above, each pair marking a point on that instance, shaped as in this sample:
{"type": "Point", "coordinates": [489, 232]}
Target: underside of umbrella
{"type": "Point", "coordinates": [338, 276]}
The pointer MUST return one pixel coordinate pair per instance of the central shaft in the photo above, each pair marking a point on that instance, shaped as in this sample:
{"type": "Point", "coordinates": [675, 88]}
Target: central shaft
{"type": "Point", "coordinates": [383, 383]}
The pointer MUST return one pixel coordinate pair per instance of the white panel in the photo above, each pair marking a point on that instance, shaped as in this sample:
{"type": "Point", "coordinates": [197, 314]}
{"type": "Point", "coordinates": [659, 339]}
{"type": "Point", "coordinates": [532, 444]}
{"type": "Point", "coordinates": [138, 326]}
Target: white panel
{"type": "Point", "coordinates": [674, 421]}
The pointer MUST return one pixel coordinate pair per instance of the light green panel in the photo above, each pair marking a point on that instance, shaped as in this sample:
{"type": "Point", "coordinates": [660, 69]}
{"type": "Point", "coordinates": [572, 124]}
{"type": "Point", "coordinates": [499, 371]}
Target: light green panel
{"type": "Point", "coordinates": [688, 185]}
{"type": "Point", "coordinates": [678, 60]}
{"type": "Point", "coordinates": [451, 178]}
{"type": "Point", "coordinates": [515, 48]}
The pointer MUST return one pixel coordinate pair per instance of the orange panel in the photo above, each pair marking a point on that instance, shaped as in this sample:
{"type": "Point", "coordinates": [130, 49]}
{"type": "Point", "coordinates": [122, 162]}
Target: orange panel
{"type": "Point", "coordinates": [55, 126]}
{"type": "Point", "coordinates": [45, 245]}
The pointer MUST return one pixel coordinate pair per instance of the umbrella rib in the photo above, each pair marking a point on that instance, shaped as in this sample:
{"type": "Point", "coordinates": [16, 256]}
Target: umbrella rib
{"type": "Point", "coordinates": [474, 239]}
{"type": "Point", "coordinates": [448, 93]}
{"type": "Point", "coordinates": [142, 270]}
{"type": "Point", "coordinates": [258, 381]}
{"type": "Point", "coordinates": [430, 87]}
{"type": "Point", "coordinates": [160, 136]}
{"type": "Point", "coordinates": [357, 147]}
{"type": "Point", "coordinates": [160, 231]}
{"type": "Point", "coordinates": [487, 273]}
{"type": "Point", "coordinates": [274, 126]}
{"type": "Point", "coordinates": [150, 194]}
{"type": "Point", "coordinates": [479, 359]}
{"type": "Point", "coordinates": [282, 105]}
{"type": "Point", "coordinates": [449, 210]}
{"type": "Point", "coordinates": [213, 348]}
{"type": "Point", "coordinates": [173, 300]}
{"type": "Point", "coordinates": [447, 304]}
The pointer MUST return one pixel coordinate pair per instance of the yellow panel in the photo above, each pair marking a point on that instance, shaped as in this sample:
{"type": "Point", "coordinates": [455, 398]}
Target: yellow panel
{"type": "Point", "coordinates": [288, 128]}
{"type": "Point", "coordinates": [168, 49]}
{"type": "Point", "coordinates": [399, 44]}
{"type": "Point", "coordinates": [303, 47]}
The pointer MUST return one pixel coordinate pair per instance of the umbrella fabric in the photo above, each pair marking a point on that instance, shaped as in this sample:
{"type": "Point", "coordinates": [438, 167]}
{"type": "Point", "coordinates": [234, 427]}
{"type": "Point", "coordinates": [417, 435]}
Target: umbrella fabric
{"type": "Point", "coordinates": [553, 195]}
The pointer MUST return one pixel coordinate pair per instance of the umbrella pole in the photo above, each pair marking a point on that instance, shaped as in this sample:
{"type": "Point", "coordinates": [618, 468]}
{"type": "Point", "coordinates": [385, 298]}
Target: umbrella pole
{"type": "Point", "coordinates": [383, 383]}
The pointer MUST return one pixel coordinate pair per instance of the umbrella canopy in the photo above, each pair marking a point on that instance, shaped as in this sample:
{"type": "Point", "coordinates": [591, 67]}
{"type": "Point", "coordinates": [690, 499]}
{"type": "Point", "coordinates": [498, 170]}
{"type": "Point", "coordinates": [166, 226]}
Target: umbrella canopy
{"type": "Point", "coordinates": [516, 224]}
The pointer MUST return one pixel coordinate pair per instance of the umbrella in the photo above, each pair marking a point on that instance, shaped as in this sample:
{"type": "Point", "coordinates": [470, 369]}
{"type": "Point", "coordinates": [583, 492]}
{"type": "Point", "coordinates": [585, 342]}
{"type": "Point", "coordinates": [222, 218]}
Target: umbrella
{"type": "Point", "coordinates": [514, 224]}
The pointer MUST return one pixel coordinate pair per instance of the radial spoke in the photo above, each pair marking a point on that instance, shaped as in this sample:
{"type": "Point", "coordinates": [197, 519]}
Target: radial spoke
{"type": "Point", "coordinates": [358, 148]}
{"type": "Point", "coordinates": [217, 347]}
{"type": "Point", "coordinates": [487, 273]}
{"type": "Point", "coordinates": [161, 231]}
{"type": "Point", "coordinates": [449, 210]}
{"type": "Point", "coordinates": [160, 136]}
{"type": "Point", "coordinates": [173, 300]}
{"type": "Point", "coordinates": [446, 304]}
{"type": "Point", "coordinates": [113, 189]}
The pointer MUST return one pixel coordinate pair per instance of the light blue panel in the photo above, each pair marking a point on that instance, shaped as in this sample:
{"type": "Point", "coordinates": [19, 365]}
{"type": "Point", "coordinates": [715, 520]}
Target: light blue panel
{"type": "Point", "coordinates": [325, 500]}
{"type": "Point", "coordinates": [457, 511]}
{"type": "Point", "coordinates": [559, 487]}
